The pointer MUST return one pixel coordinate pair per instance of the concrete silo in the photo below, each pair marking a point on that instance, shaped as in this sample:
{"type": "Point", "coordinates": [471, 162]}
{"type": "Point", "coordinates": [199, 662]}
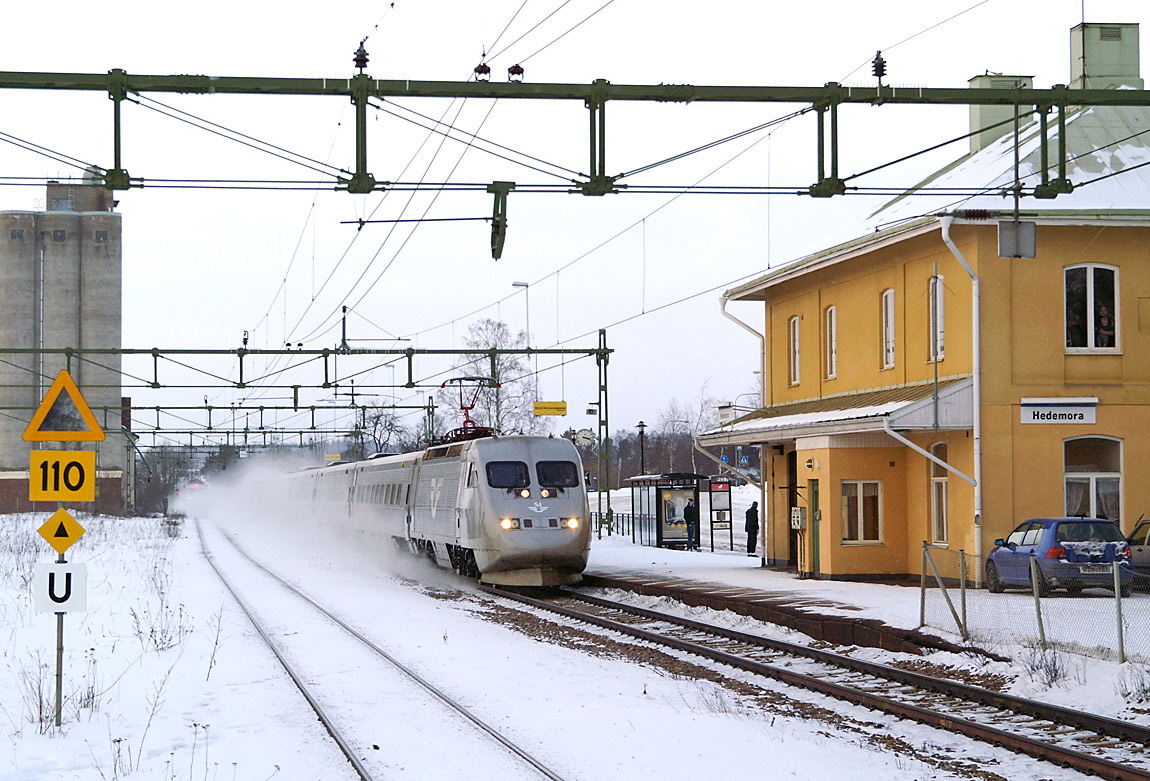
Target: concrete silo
{"type": "Point", "coordinates": [61, 273]}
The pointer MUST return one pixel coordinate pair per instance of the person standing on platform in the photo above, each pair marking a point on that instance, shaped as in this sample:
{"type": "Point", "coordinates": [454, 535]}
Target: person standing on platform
{"type": "Point", "coordinates": [691, 516]}
{"type": "Point", "coordinates": [752, 527]}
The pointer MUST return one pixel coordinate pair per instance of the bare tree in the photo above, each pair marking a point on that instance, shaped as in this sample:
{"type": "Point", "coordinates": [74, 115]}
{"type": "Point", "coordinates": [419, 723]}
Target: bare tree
{"type": "Point", "coordinates": [676, 426]}
{"type": "Point", "coordinates": [383, 428]}
{"type": "Point", "coordinates": [507, 407]}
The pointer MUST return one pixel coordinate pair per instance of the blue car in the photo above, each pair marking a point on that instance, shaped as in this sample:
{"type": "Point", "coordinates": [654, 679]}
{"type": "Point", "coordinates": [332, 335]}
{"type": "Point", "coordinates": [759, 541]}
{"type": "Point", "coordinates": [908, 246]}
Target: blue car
{"type": "Point", "coordinates": [1072, 553]}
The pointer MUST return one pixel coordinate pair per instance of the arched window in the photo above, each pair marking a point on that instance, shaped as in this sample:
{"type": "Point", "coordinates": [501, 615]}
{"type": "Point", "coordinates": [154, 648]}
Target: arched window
{"type": "Point", "coordinates": [939, 496]}
{"type": "Point", "coordinates": [793, 330]}
{"type": "Point", "coordinates": [1092, 467]}
{"type": "Point", "coordinates": [832, 338]}
{"type": "Point", "coordinates": [1091, 293]}
{"type": "Point", "coordinates": [888, 329]}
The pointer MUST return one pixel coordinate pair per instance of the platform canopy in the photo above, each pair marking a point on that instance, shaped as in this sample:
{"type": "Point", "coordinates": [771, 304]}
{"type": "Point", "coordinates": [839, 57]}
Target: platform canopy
{"type": "Point", "coordinates": [907, 408]}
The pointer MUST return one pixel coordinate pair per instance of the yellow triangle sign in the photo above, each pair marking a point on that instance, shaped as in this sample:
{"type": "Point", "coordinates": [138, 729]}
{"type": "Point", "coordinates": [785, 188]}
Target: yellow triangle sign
{"type": "Point", "coordinates": [61, 530]}
{"type": "Point", "coordinates": [64, 416]}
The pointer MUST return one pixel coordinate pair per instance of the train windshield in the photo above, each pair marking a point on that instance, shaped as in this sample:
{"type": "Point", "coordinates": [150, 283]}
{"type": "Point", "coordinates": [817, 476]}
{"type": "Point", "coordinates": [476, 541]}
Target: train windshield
{"type": "Point", "coordinates": [508, 474]}
{"type": "Point", "coordinates": [557, 474]}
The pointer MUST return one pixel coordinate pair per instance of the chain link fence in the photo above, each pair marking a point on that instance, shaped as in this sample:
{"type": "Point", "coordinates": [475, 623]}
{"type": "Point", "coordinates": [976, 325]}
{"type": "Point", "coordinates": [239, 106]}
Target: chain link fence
{"type": "Point", "coordinates": [1095, 622]}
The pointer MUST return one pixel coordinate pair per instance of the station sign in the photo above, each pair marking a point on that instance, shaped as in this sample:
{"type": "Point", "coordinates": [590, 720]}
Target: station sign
{"type": "Point", "coordinates": [62, 476]}
{"type": "Point", "coordinates": [61, 530]}
{"type": "Point", "coordinates": [60, 588]}
{"type": "Point", "coordinates": [1056, 411]}
{"type": "Point", "coordinates": [63, 415]}
{"type": "Point", "coordinates": [550, 408]}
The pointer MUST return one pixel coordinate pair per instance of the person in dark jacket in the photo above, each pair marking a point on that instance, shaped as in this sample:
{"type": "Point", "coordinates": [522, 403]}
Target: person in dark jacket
{"type": "Point", "coordinates": [752, 527]}
{"type": "Point", "coordinates": [691, 516]}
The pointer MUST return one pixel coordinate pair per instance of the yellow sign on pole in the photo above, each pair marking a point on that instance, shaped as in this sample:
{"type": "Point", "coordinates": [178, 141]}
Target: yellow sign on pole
{"type": "Point", "coordinates": [550, 408]}
{"type": "Point", "coordinates": [61, 530]}
{"type": "Point", "coordinates": [62, 476]}
{"type": "Point", "coordinates": [63, 416]}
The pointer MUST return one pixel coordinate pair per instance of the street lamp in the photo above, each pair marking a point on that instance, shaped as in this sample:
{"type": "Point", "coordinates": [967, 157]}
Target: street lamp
{"type": "Point", "coordinates": [527, 307]}
{"type": "Point", "coordinates": [642, 461]}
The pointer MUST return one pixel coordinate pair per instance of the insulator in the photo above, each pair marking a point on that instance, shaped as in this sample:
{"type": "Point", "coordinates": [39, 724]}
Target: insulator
{"type": "Point", "coordinates": [975, 214]}
{"type": "Point", "coordinates": [360, 59]}
{"type": "Point", "coordinates": [482, 71]}
{"type": "Point", "coordinates": [878, 65]}
{"type": "Point", "coordinates": [515, 73]}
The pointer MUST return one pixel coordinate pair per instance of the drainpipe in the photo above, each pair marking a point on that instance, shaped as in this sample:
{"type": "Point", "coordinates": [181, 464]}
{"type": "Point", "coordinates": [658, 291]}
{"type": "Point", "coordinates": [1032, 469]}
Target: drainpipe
{"type": "Point", "coordinates": [763, 380]}
{"type": "Point", "coordinates": [764, 385]}
{"type": "Point", "coordinates": [976, 360]}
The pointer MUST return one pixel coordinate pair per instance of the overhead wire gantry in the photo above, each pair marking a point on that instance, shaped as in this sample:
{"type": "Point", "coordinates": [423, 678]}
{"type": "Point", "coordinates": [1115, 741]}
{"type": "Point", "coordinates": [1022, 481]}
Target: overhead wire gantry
{"type": "Point", "coordinates": [360, 89]}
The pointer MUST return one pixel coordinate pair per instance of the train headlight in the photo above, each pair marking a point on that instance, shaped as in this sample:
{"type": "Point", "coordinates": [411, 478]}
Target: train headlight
{"type": "Point", "coordinates": [572, 523]}
{"type": "Point", "coordinates": [525, 493]}
{"type": "Point", "coordinates": [545, 493]}
{"type": "Point", "coordinates": [509, 523]}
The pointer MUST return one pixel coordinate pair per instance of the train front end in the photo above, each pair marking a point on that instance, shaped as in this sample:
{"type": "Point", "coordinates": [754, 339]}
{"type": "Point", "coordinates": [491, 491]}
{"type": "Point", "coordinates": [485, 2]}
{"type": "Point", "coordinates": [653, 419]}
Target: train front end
{"type": "Point", "coordinates": [530, 507]}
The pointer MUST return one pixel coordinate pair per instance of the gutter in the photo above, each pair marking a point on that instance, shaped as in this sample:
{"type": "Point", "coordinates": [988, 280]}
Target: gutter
{"type": "Point", "coordinates": [764, 389]}
{"type": "Point", "coordinates": [976, 361]}
{"type": "Point", "coordinates": [763, 379]}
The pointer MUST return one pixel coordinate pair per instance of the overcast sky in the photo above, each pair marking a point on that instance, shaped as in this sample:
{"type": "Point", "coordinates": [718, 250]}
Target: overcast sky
{"type": "Point", "coordinates": [201, 266]}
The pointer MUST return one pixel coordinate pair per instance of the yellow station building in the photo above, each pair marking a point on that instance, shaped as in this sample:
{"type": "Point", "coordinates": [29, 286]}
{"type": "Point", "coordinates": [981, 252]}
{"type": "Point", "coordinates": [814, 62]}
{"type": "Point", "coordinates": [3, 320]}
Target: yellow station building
{"type": "Point", "coordinates": [922, 385]}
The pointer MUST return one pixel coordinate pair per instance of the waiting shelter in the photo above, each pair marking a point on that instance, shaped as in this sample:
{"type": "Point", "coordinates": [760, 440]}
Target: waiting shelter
{"type": "Point", "coordinates": [657, 503]}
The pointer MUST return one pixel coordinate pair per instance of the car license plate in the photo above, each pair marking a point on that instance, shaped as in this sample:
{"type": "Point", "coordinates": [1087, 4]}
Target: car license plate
{"type": "Point", "coordinates": [1095, 569]}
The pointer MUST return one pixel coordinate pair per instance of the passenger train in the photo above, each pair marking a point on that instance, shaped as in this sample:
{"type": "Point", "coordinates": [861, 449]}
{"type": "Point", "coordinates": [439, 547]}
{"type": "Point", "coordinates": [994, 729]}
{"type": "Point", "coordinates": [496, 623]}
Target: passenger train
{"type": "Point", "coordinates": [508, 510]}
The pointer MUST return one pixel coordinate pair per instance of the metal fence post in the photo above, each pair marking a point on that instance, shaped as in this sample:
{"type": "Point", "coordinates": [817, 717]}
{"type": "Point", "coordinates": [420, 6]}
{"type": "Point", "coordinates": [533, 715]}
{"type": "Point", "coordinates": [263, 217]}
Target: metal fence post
{"type": "Point", "coordinates": [922, 589]}
{"type": "Point", "coordinates": [1118, 612]}
{"type": "Point", "coordinates": [945, 591]}
{"type": "Point", "coordinates": [962, 589]}
{"type": "Point", "coordinates": [1037, 601]}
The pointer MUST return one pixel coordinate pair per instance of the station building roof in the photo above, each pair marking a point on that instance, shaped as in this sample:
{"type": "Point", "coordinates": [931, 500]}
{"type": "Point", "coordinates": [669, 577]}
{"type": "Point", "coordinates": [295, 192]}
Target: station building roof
{"type": "Point", "coordinates": [1108, 162]}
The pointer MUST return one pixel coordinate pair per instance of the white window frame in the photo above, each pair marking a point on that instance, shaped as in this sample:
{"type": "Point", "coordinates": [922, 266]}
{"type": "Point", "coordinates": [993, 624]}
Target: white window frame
{"type": "Point", "coordinates": [888, 354]}
{"type": "Point", "coordinates": [861, 525]}
{"type": "Point", "coordinates": [832, 337]}
{"type": "Point", "coordinates": [939, 511]}
{"type": "Point", "coordinates": [793, 331]}
{"type": "Point", "coordinates": [1093, 477]}
{"type": "Point", "coordinates": [936, 350]}
{"type": "Point", "coordinates": [1116, 315]}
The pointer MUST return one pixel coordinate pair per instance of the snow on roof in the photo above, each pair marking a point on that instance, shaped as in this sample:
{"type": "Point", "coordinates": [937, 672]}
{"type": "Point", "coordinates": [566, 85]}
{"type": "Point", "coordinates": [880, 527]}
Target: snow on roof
{"type": "Point", "coordinates": [1105, 145]}
{"type": "Point", "coordinates": [757, 425]}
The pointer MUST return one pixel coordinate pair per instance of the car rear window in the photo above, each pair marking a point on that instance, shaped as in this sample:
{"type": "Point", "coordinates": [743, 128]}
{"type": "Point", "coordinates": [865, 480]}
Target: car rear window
{"type": "Point", "coordinates": [557, 474]}
{"type": "Point", "coordinates": [508, 474]}
{"type": "Point", "coordinates": [1088, 531]}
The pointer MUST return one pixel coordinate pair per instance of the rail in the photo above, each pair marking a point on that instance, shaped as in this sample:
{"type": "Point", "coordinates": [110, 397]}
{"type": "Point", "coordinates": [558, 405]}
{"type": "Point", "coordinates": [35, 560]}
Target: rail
{"type": "Point", "coordinates": [891, 690]}
{"type": "Point", "coordinates": [398, 665]}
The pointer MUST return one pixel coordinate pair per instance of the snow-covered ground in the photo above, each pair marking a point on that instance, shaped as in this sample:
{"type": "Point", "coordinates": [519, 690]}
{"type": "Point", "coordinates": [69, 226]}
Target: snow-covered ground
{"type": "Point", "coordinates": [165, 678]}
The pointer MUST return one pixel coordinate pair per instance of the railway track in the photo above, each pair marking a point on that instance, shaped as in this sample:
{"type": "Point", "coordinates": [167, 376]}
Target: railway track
{"type": "Point", "coordinates": [307, 690]}
{"type": "Point", "coordinates": [1101, 746]}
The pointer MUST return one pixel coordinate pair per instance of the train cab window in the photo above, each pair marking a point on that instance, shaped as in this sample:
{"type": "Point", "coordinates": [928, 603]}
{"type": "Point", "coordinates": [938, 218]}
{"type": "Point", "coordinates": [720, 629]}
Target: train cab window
{"type": "Point", "coordinates": [557, 474]}
{"type": "Point", "coordinates": [508, 474]}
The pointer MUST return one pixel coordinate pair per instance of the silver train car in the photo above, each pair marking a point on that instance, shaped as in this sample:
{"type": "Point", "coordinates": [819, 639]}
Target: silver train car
{"type": "Point", "coordinates": [508, 510]}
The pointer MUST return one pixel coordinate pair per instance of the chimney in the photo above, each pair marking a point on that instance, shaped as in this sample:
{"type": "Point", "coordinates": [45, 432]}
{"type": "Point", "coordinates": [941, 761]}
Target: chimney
{"type": "Point", "coordinates": [983, 116]}
{"type": "Point", "coordinates": [1104, 56]}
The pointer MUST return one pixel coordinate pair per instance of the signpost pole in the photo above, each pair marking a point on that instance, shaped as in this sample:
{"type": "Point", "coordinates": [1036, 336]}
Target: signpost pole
{"type": "Point", "coordinates": [64, 476]}
{"type": "Point", "coordinates": [59, 656]}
